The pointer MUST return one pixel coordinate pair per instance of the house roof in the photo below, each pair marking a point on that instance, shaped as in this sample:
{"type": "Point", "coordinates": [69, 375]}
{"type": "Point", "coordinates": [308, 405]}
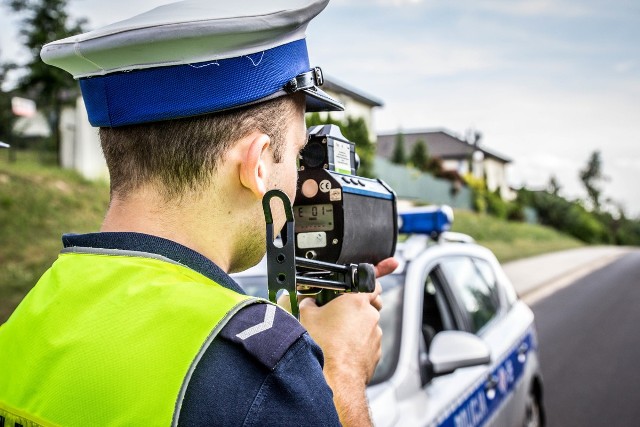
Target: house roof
{"type": "Point", "coordinates": [332, 85]}
{"type": "Point", "coordinates": [440, 143]}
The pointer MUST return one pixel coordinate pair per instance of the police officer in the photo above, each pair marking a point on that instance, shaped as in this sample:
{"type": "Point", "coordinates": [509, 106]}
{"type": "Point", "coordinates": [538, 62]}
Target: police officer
{"type": "Point", "coordinates": [201, 111]}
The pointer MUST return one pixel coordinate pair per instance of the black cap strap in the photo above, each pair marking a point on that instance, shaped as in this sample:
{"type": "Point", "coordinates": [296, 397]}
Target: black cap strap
{"type": "Point", "coordinates": [307, 80]}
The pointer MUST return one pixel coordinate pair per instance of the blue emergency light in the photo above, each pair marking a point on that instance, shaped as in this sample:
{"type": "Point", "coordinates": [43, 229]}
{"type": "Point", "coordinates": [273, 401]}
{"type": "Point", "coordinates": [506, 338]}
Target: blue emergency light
{"type": "Point", "coordinates": [430, 220]}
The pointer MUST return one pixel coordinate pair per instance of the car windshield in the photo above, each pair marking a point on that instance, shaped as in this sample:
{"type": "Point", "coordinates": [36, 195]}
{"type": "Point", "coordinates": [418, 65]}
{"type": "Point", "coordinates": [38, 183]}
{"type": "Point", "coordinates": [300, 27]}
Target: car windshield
{"type": "Point", "coordinates": [390, 317]}
{"type": "Point", "coordinates": [254, 285]}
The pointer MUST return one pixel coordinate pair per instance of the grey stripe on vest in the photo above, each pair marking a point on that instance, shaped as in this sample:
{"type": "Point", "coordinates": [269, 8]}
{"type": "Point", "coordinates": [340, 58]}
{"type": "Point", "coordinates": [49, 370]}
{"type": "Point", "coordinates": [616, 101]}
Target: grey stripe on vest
{"type": "Point", "coordinates": [118, 252]}
{"type": "Point", "coordinates": [203, 349]}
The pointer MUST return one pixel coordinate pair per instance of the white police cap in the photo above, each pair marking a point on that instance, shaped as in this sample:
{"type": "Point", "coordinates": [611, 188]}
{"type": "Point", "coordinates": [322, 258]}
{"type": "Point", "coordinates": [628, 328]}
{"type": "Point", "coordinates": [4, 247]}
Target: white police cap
{"type": "Point", "coordinates": [193, 57]}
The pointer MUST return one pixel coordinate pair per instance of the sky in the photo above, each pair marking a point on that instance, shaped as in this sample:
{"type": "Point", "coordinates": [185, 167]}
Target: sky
{"type": "Point", "coordinates": [546, 82]}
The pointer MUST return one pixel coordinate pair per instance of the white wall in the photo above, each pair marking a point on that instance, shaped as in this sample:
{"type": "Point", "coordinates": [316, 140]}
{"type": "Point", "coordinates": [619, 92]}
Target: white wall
{"type": "Point", "coordinates": [461, 166]}
{"type": "Point", "coordinates": [32, 126]}
{"type": "Point", "coordinates": [356, 109]}
{"type": "Point", "coordinates": [80, 144]}
{"type": "Point", "coordinates": [495, 173]}
{"type": "Point", "coordinates": [496, 176]}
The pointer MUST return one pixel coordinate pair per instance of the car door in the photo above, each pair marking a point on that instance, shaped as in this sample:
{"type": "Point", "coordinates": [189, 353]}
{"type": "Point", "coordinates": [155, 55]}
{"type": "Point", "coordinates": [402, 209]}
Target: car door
{"type": "Point", "coordinates": [489, 313]}
{"type": "Point", "coordinates": [463, 399]}
{"type": "Point", "coordinates": [420, 398]}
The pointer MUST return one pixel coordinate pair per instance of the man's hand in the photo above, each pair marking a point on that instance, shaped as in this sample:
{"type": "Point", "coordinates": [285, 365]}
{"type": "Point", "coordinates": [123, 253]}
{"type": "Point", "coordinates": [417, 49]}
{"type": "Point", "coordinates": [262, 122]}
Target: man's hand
{"type": "Point", "coordinates": [386, 266]}
{"type": "Point", "coordinates": [347, 330]}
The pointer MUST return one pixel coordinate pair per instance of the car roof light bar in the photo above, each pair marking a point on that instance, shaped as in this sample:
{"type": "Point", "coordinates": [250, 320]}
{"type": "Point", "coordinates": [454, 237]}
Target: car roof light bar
{"type": "Point", "coordinates": [429, 220]}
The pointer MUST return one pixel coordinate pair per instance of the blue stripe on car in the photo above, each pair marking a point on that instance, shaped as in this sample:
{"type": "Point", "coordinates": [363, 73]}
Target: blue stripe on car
{"type": "Point", "coordinates": [480, 404]}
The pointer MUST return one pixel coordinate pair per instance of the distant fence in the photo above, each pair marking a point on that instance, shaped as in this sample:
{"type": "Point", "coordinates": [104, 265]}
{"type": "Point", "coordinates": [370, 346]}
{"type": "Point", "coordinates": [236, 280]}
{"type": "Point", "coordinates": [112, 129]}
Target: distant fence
{"type": "Point", "coordinates": [420, 187]}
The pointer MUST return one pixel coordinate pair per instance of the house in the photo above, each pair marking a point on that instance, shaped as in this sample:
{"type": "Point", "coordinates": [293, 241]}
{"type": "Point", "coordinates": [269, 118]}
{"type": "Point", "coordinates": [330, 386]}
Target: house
{"type": "Point", "coordinates": [356, 103]}
{"type": "Point", "coordinates": [34, 126]}
{"type": "Point", "coordinates": [456, 154]}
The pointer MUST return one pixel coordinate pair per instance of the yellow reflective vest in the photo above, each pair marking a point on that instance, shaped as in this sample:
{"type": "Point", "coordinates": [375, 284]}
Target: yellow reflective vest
{"type": "Point", "coordinates": [107, 338]}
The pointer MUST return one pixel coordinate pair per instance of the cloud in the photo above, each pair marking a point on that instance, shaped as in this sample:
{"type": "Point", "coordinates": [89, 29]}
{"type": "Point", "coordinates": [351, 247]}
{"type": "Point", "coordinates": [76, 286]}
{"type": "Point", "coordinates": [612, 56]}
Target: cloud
{"type": "Point", "coordinates": [565, 8]}
{"type": "Point", "coordinates": [536, 7]}
{"type": "Point", "coordinates": [383, 57]}
{"type": "Point", "coordinates": [394, 3]}
{"type": "Point", "coordinates": [398, 2]}
{"type": "Point", "coordinates": [624, 66]}
{"type": "Point", "coordinates": [628, 163]}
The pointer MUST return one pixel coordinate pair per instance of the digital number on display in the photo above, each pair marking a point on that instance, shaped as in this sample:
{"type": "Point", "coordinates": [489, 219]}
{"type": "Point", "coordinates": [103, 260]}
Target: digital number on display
{"type": "Point", "coordinates": [314, 218]}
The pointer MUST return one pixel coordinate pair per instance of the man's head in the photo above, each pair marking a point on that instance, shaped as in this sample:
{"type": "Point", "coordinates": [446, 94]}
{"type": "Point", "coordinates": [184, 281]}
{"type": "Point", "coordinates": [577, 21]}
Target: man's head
{"type": "Point", "coordinates": [179, 157]}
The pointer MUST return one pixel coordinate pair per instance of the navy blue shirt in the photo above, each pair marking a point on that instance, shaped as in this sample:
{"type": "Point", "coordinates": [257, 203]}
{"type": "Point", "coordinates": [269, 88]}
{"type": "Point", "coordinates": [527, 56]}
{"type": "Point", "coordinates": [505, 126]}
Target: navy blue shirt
{"type": "Point", "coordinates": [249, 377]}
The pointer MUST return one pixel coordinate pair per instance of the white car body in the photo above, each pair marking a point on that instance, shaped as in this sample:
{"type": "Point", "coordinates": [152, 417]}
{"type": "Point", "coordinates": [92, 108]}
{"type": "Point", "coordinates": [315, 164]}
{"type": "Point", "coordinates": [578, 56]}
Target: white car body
{"type": "Point", "coordinates": [498, 393]}
{"type": "Point", "coordinates": [500, 383]}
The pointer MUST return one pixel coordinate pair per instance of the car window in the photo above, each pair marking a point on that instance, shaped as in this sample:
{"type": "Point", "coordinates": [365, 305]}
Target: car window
{"type": "Point", "coordinates": [476, 288]}
{"type": "Point", "coordinates": [436, 312]}
{"type": "Point", "coordinates": [489, 275]}
{"type": "Point", "coordinates": [254, 285]}
{"type": "Point", "coordinates": [485, 270]}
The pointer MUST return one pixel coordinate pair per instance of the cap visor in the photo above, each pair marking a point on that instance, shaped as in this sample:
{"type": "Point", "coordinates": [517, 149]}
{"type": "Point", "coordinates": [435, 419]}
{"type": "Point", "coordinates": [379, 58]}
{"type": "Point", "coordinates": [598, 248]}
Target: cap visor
{"type": "Point", "coordinates": [318, 100]}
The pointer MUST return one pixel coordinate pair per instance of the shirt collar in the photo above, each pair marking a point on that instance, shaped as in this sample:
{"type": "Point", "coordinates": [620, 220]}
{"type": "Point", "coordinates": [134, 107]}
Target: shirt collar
{"type": "Point", "coordinates": [140, 242]}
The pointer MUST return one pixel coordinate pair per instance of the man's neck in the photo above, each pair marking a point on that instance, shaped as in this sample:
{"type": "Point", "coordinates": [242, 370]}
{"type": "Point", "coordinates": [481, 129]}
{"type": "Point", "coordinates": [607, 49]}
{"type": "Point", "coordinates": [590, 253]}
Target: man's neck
{"type": "Point", "coordinates": [146, 212]}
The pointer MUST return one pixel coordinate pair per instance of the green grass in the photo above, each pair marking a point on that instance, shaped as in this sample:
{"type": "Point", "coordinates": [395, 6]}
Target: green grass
{"type": "Point", "coordinates": [512, 240]}
{"type": "Point", "coordinates": [39, 203]}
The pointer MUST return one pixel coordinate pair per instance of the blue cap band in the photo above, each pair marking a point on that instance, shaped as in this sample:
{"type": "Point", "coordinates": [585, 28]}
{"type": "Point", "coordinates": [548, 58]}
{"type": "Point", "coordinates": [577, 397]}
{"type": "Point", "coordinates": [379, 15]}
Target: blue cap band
{"type": "Point", "coordinates": [177, 91]}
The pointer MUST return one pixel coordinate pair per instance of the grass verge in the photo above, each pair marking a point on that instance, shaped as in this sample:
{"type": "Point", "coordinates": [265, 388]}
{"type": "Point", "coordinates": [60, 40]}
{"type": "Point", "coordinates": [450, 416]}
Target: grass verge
{"type": "Point", "coordinates": [37, 205]}
{"type": "Point", "coordinates": [512, 240]}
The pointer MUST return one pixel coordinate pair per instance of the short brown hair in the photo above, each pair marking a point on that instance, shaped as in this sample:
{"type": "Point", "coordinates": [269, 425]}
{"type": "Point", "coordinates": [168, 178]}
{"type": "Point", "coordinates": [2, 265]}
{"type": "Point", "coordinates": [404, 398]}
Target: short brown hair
{"type": "Point", "coordinates": [182, 154]}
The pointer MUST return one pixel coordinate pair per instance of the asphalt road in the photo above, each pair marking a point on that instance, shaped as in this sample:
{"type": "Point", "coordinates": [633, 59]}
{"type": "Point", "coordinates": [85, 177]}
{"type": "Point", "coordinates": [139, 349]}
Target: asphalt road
{"type": "Point", "coordinates": [589, 336]}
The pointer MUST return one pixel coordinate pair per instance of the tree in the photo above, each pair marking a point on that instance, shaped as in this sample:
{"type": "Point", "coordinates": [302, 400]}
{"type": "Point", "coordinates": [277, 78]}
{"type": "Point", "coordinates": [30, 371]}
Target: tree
{"type": "Point", "coordinates": [419, 156]}
{"type": "Point", "coordinates": [554, 186]}
{"type": "Point", "coordinates": [314, 119]}
{"type": "Point", "coordinates": [45, 21]}
{"type": "Point", "coordinates": [6, 116]}
{"type": "Point", "coordinates": [356, 131]}
{"type": "Point", "coordinates": [399, 157]}
{"type": "Point", "coordinates": [591, 177]}
{"type": "Point", "coordinates": [434, 165]}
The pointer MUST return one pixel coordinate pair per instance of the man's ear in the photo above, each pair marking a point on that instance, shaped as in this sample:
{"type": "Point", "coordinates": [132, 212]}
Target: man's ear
{"type": "Point", "coordinates": [254, 168]}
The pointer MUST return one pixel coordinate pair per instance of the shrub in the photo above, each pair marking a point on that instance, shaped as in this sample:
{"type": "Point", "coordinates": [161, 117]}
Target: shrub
{"type": "Point", "coordinates": [495, 205]}
{"type": "Point", "coordinates": [568, 216]}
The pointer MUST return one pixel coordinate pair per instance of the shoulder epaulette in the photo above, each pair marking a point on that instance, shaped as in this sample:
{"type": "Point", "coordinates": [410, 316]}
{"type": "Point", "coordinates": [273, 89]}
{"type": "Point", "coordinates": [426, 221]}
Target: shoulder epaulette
{"type": "Point", "coordinates": [266, 331]}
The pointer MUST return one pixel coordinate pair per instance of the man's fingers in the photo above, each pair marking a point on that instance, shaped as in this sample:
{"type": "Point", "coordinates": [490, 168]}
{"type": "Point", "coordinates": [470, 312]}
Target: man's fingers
{"type": "Point", "coordinates": [377, 303]}
{"type": "Point", "coordinates": [386, 266]}
{"type": "Point", "coordinates": [284, 301]}
{"type": "Point", "coordinates": [308, 301]}
{"type": "Point", "coordinates": [303, 300]}
{"type": "Point", "coordinates": [374, 297]}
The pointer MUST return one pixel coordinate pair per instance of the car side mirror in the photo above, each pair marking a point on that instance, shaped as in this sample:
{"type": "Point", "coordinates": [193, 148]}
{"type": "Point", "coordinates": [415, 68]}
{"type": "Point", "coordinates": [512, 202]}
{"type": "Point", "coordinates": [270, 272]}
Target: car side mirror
{"type": "Point", "coordinates": [451, 350]}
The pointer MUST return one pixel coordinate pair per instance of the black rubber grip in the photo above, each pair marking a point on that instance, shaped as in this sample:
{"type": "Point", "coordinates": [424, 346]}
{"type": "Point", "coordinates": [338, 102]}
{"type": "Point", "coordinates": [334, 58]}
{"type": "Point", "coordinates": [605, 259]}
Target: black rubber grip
{"type": "Point", "coordinates": [366, 278]}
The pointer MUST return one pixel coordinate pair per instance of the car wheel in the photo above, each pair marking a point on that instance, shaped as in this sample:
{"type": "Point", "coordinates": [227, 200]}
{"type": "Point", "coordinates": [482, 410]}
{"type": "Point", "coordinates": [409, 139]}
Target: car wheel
{"type": "Point", "coordinates": [532, 413]}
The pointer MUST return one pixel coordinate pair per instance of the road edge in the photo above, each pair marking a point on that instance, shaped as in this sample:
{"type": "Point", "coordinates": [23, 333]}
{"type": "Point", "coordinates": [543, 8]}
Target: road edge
{"type": "Point", "coordinates": [566, 279]}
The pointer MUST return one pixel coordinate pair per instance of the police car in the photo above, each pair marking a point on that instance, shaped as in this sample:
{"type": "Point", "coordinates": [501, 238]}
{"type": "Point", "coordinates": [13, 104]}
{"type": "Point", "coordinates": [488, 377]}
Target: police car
{"type": "Point", "coordinates": [459, 348]}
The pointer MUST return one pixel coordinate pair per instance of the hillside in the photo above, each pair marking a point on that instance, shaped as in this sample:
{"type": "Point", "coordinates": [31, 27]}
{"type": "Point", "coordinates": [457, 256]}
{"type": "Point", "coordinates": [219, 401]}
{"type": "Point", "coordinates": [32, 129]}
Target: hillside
{"type": "Point", "coordinates": [38, 204]}
{"type": "Point", "coordinates": [512, 240]}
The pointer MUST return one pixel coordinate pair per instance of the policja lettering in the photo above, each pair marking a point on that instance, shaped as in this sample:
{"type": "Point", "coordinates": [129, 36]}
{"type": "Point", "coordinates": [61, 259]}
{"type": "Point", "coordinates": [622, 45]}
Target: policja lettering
{"type": "Point", "coordinates": [473, 413]}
